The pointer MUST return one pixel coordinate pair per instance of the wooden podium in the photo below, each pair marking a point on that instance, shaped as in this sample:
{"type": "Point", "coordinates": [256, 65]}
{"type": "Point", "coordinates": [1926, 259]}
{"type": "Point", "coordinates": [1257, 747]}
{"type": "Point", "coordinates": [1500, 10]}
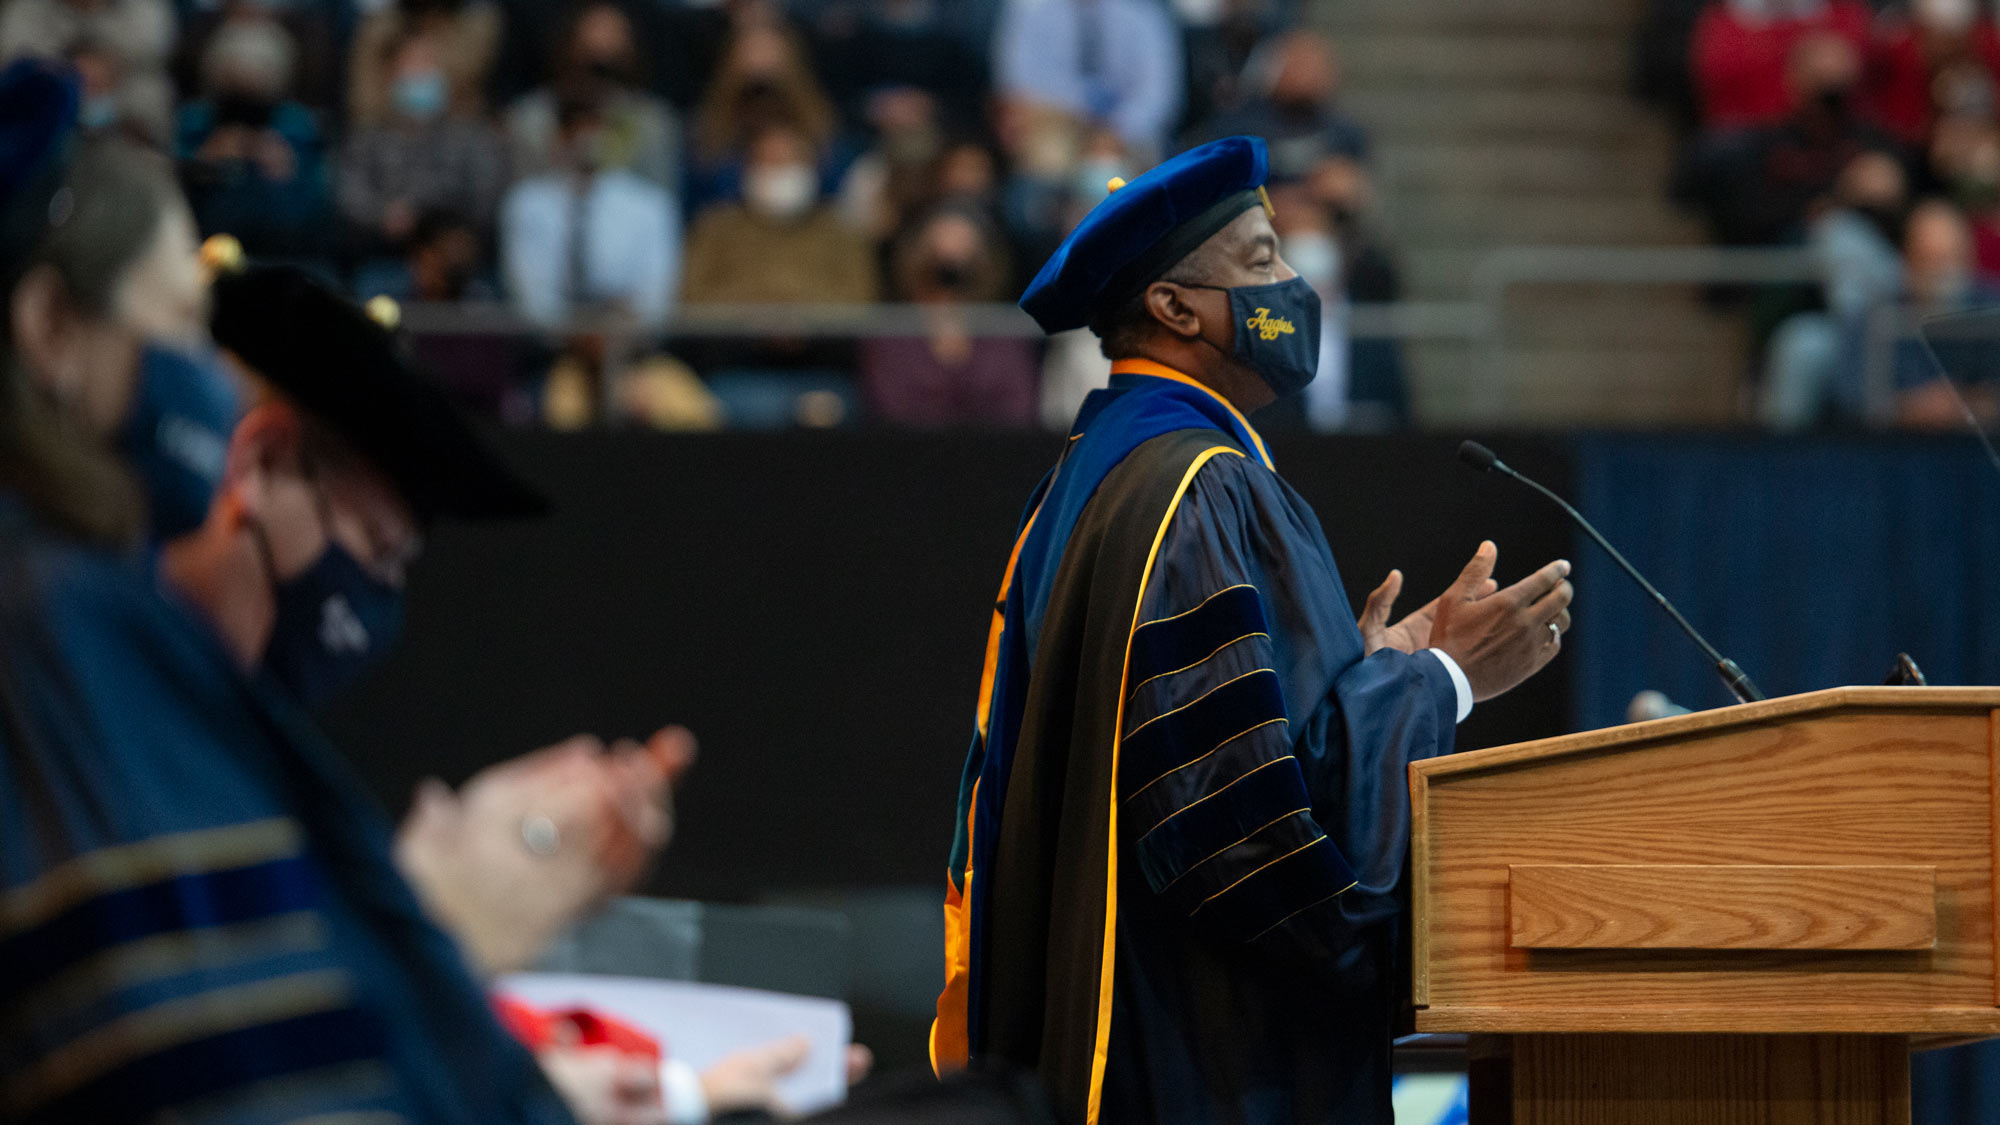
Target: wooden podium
{"type": "Point", "coordinates": [1736, 917]}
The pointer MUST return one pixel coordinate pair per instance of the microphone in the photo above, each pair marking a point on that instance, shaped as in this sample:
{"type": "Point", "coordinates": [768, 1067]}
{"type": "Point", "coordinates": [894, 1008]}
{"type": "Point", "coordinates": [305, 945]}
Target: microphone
{"type": "Point", "coordinates": [1483, 459]}
{"type": "Point", "coordinates": [1650, 704]}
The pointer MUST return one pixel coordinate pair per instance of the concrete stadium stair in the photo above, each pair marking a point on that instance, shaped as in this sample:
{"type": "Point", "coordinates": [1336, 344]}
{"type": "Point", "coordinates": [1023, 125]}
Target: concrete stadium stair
{"type": "Point", "coordinates": [1508, 123]}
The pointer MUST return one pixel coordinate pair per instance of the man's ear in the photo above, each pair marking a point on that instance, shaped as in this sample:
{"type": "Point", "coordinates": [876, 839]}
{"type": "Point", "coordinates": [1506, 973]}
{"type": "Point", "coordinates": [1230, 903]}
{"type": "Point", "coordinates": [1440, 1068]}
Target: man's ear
{"type": "Point", "coordinates": [1168, 304]}
{"type": "Point", "coordinates": [266, 444]}
{"type": "Point", "coordinates": [39, 317]}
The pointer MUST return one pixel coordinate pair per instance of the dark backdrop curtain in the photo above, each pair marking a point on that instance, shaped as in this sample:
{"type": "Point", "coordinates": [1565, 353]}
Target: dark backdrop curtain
{"type": "Point", "coordinates": [1812, 564]}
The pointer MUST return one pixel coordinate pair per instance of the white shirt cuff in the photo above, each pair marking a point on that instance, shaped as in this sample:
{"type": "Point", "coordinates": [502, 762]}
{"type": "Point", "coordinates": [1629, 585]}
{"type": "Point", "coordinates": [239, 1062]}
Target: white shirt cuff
{"type": "Point", "coordinates": [1459, 683]}
{"type": "Point", "coordinates": [680, 1086]}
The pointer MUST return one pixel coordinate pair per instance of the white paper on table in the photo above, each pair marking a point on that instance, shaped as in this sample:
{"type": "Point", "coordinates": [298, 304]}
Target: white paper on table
{"type": "Point", "coordinates": [700, 1023]}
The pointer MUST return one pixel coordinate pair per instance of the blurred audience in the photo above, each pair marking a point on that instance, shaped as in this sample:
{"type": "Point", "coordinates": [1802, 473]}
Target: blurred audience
{"type": "Point", "coordinates": [680, 41]}
{"type": "Point", "coordinates": [1110, 63]}
{"type": "Point", "coordinates": [319, 30]}
{"type": "Point", "coordinates": [1219, 38]}
{"type": "Point", "coordinates": [1742, 51]}
{"type": "Point", "coordinates": [1857, 242]}
{"type": "Point", "coordinates": [119, 48]}
{"type": "Point", "coordinates": [780, 244]}
{"type": "Point", "coordinates": [1818, 123]}
{"type": "Point", "coordinates": [464, 36]}
{"type": "Point", "coordinates": [1971, 178]}
{"type": "Point", "coordinates": [444, 261]}
{"type": "Point", "coordinates": [1291, 105]}
{"type": "Point", "coordinates": [588, 239]}
{"type": "Point", "coordinates": [597, 63]}
{"type": "Point", "coordinates": [898, 174]}
{"type": "Point", "coordinates": [764, 79]}
{"type": "Point", "coordinates": [1935, 58]}
{"type": "Point", "coordinates": [1328, 240]}
{"type": "Point", "coordinates": [565, 154]}
{"type": "Point", "coordinates": [118, 102]}
{"type": "Point", "coordinates": [441, 262]}
{"type": "Point", "coordinates": [252, 158]}
{"type": "Point", "coordinates": [1059, 173]}
{"type": "Point", "coordinates": [418, 156]}
{"type": "Point", "coordinates": [950, 376]}
{"type": "Point", "coordinates": [862, 47]}
{"type": "Point", "coordinates": [1938, 281]}
{"type": "Point", "coordinates": [1760, 185]}
{"type": "Point", "coordinates": [1073, 365]}
{"type": "Point", "coordinates": [593, 251]}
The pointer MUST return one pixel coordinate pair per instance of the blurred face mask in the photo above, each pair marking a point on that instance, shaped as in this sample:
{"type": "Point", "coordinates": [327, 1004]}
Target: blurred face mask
{"type": "Point", "coordinates": [334, 620]}
{"type": "Point", "coordinates": [421, 96]}
{"type": "Point", "coordinates": [176, 437]}
{"type": "Point", "coordinates": [1316, 257]}
{"type": "Point", "coordinates": [1201, 13]}
{"type": "Point", "coordinates": [98, 111]}
{"type": "Point", "coordinates": [783, 193]}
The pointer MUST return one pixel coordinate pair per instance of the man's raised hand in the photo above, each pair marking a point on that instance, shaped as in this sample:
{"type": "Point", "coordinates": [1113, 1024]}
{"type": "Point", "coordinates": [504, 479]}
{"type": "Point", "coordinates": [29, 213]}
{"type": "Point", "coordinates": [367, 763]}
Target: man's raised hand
{"type": "Point", "coordinates": [1412, 633]}
{"type": "Point", "coordinates": [1500, 637]}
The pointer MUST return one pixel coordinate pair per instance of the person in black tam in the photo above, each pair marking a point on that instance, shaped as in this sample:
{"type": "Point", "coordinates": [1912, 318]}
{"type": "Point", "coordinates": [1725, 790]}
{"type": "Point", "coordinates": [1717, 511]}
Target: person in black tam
{"type": "Point", "coordinates": [345, 454]}
{"type": "Point", "coordinates": [1181, 831]}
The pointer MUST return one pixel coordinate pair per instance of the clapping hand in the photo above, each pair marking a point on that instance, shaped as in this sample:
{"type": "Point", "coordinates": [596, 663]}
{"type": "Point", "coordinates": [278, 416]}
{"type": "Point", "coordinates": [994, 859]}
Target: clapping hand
{"type": "Point", "coordinates": [1412, 633]}
{"type": "Point", "coordinates": [1501, 637]}
{"type": "Point", "coordinates": [528, 846]}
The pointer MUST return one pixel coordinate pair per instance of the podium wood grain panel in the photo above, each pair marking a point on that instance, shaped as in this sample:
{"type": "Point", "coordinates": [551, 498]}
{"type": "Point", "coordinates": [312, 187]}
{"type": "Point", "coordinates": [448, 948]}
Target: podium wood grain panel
{"type": "Point", "coordinates": [1853, 777]}
{"type": "Point", "coordinates": [1710, 1080]}
{"type": "Point", "coordinates": [1722, 906]}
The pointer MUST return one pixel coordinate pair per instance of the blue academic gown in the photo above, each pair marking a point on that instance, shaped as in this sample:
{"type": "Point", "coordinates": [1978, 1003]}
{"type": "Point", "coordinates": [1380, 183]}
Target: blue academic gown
{"type": "Point", "coordinates": [199, 917]}
{"type": "Point", "coordinates": [1224, 874]}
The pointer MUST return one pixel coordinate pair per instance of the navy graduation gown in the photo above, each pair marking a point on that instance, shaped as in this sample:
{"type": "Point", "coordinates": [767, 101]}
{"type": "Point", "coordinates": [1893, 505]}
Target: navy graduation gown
{"type": "Point", "coordinates": [1176, 887]}
{"type": "Point", "coordinates": [199, 917]}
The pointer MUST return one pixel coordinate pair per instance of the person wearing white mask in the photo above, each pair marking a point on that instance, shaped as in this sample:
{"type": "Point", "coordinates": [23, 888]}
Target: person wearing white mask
{"type": "Point", "coordinates": [1314, 253]}
{"type": "Point", "coordinates": [782, 243]}
{"type": "Point", "coordinates": [1360, 383]}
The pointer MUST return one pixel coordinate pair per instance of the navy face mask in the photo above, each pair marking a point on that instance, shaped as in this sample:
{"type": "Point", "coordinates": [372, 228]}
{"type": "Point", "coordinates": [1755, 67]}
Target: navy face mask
{"type": "Point", "coordinates": [334, 619]}
{"type": "Point", "coordinates": [176, 437]}
{"type": "Point", "coordinates": [1277, 331]}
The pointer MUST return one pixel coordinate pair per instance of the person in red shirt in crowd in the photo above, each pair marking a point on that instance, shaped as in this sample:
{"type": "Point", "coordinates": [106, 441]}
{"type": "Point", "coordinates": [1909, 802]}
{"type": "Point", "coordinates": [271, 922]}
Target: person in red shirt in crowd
{"type": "Point", "coordinates": [1941, 58]}
{"type": "Point", "coordinates": [1761, 186]}
{"type": "Point", "coordinates": [1740, 48]}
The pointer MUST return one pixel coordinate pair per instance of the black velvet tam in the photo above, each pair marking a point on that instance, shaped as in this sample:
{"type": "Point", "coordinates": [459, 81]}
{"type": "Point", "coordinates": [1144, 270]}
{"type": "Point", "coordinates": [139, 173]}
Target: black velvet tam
{"type": "Point", "coordinates": [326, 354]}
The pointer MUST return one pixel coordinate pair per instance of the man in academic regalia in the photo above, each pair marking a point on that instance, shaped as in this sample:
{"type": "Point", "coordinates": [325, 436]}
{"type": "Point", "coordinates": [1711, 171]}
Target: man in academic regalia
{"type": "Point", "coordinates": [346, 450]}
{"type": "Point", "coordinates": [1182, 826]}
{"type": "Point", "coordinates": [345, 455]}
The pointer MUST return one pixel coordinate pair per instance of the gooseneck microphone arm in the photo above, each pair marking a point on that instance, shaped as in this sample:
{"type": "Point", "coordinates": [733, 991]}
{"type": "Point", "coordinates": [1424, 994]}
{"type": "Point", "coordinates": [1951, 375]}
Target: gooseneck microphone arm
{"type": "Point", "coordinates": [1482, 458]}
